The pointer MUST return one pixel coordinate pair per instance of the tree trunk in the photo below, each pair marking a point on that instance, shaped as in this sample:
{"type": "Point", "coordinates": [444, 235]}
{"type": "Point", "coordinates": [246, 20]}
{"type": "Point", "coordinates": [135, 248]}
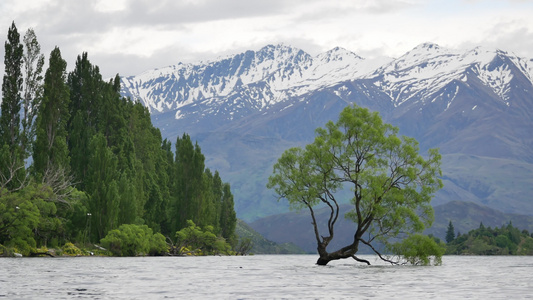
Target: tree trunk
{"type": "Point", "coordinates": [345, 252]}
{"type": "Point", "coordinates": [322, 261]}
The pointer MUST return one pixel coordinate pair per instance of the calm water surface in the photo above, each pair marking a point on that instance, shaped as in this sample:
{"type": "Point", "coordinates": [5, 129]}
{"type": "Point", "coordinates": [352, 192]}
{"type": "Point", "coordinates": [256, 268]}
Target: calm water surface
{"type": "Point", "coordinates": [263, 277]}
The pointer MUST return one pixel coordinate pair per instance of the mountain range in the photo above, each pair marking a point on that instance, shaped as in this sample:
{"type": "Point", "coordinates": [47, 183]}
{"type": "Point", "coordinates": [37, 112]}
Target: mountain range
{"type": "Point", "coordinates": [244, 110]}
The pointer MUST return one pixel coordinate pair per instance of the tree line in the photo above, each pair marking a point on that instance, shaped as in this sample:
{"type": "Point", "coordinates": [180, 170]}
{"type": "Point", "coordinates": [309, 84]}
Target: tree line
{"type": "Point", "coordinates": [78, 160]}
{"type": "Point", "coordinates": [506, 240]}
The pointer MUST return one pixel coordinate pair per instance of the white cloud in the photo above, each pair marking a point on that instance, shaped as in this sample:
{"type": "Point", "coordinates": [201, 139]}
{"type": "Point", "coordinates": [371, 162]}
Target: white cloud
{"type": "Point", "coordinates": [130, 36]}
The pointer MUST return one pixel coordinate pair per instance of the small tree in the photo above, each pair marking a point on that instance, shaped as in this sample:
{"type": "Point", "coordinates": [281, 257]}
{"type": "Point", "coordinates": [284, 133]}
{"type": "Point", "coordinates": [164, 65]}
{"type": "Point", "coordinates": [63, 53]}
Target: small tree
{"type": "Point", "coordinates": [198, 241]}
{"type": "Point", "coordinates": [133, 240]}
{"type": "Point", "coordinates": [391, 185]}
{"type": "Point", "coordinates": [450, 233]}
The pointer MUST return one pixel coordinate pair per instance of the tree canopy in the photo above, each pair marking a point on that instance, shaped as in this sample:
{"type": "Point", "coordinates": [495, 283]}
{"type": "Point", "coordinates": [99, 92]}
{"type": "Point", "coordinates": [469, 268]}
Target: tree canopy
{"type": "Point", "coordinates": [506, 240]}
{"type": "Point", "coordinates": [97, 162]}
{"type": "Point", "coordinates": [362, 160]}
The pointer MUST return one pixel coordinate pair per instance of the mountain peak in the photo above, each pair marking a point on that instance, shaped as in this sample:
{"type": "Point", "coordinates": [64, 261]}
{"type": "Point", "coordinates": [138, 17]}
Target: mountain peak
{"type": "Point", "coordinates": [279, 48]}
{"type": "Point", "coordinates": [277, 73]}
{"type": "Point", "coordinates": [426, 50]}
{"type": "Point", "coordinates": [337, 54]}
{"type": "Point", "coordinates": [428, 46]}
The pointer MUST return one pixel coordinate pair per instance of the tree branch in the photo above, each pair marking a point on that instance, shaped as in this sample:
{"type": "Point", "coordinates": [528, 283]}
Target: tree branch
{"type": "Point", "coordinates": [361, 260]}
{"type": "Point", "coordinates": [378, 253]}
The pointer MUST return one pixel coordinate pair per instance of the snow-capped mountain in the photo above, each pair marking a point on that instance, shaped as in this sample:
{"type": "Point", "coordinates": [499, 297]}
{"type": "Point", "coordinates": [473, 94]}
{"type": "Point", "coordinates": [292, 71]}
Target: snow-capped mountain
{"type": "Point", "coordinates": [265, 77]}
{"type": "Point", "coordinates": [276, 73]}
{"type": "Point", "coordinates": [426, 69]}
{"type": "Point", "coordinates": [246, 109]}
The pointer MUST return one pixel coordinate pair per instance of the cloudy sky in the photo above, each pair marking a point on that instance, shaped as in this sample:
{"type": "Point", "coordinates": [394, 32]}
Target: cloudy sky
{"type": "Point", "coordinates": [131, 36]}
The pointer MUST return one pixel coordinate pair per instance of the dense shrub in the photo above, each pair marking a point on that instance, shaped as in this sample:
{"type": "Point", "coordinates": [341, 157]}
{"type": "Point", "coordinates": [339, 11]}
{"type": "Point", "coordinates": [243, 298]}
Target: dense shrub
{"type": "Point", "coordinates": [71, 250]}
{"type": "Point", "coordinates": [134, 240]}
{"type": "Point", "coordinates": [419, 249]}
{"type": "Point", "coordinates": [193, 240]}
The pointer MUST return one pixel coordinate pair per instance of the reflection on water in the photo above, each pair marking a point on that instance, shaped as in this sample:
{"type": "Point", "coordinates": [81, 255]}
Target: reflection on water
{"type": "Point", "coordinates": [263, 276]}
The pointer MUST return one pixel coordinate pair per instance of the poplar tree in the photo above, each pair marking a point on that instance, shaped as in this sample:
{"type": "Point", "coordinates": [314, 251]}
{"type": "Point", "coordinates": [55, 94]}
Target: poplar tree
{"type": "Point", "coordinates": [228, 218]}
{"type": "Point", "coordinates": [102, 186]}
{"type": "Point", "coordinates": [85, 84]}
{"type": "Point", "coordinates": [185, 188]}
{"type": "Point", "coordinates": [11, 90]}
{"type": "Point", "coordinates": [50, 148]}
{"type": "Point", "coordinates": [33, 87]}
{"type": "Point", "coordinates": [12, 172]}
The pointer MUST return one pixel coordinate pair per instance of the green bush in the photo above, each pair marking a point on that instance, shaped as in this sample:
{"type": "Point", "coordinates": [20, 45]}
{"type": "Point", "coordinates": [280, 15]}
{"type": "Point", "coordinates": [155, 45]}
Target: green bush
{"type": "Point", "coordinates": [194, 240]}
{"type": "Point", "coordinates": [71, 250]}
{"type": "Point", "coordinates": [418, 249]}
{"type": "Point", "coordinates": [134, 240]}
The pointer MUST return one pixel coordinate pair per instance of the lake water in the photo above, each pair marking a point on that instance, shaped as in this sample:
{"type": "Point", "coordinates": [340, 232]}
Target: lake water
{"type": "Point", "coordinates": [263, 277]}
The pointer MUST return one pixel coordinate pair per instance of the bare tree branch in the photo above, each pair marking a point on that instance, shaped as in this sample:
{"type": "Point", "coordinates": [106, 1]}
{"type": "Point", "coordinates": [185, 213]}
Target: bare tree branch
{"type": "Point", "coordinates": [361, 260]}
{"type": "Point", "coordinates": [379, 254]}
{"type": "Point", "coordinates": [9, 181]}
{"type": "Point", "coordinates": [60, 182]}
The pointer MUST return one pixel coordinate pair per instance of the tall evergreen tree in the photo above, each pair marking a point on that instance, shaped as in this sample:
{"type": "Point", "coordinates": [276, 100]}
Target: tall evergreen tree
{"type": "Point", "coordinates": [450, 233]}
{"type": "Point", "coordinates": [85, 83]}
{"type": "Point", "coordinates": [128, 205]}
{"type": "Point", "coordinates": [188, 182]}
{"type": "Point", "coordinates": [228, 218]}
{"type": "Point", "coordinates": [12, 171]}
{"type": "Point", "coordinates": [101, 184]}
{"type": "Point", "coordinates": [33, 68]}
{"type": "Point", "coordinates": [218, 195]}
{"type": "Point", "coordinates": [11, 90]}
{"type": "Point", "coordinates": [50, 149]}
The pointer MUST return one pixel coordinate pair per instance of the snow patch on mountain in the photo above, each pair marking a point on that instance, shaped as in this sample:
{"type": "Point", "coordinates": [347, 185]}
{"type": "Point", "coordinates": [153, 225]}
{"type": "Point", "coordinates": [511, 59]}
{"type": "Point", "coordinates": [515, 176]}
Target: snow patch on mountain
{"type": "Point", "coordinates": [257, 80]}
{"type": "Point", "coordinates": [270, 75]}
{"type": "Point", "coordinates": [428, 68]}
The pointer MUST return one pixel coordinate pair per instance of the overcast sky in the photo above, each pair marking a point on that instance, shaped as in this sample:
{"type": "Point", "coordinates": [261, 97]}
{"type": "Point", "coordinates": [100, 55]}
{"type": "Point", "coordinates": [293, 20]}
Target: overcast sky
{"type": "Point", "coordinates": [131, 36]}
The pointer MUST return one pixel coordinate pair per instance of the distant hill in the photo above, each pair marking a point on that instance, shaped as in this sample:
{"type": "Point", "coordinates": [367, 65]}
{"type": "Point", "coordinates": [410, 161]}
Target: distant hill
{"type": "Point", "coordinates": [296, 227]}
{"type": "Point", "coordinates": [261, 245]}
{"type": "Point", "coordinates": [466, 216]}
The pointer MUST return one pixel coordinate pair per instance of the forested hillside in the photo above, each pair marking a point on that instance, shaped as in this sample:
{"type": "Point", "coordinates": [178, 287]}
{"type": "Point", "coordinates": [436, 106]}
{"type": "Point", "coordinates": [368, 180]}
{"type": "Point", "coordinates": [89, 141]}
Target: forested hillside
{"type": "Point", "coordinates": [77, 160]}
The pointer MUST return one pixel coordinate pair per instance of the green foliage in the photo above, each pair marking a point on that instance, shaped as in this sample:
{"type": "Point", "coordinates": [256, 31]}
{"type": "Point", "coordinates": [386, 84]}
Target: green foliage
{"type": "Point", "coordinates": [71, 250]}
{"type": "Point", "coordinates": [392, 185]}
{"type": "Point", "coordinates": [228, 218]}
{"type": "Point", "coordinates": [101, 182]}
{"type": "Point", "coordinates": [11, 90]}
{"type": "Point", "coordinates": [507, 240]}
{"type": "Point", "coordinates": [134, 240]}
{"type": "Point", "coordinates": [98, 162]}
{"type": "Point", "coordinates": [6, 252]}
{"type": "Point", "coordinates": [50, 147]}
{"type": "Point", "coordinates": [28, 219]}
{"type": "Point", "coordinates": [195, 240]}
{"type": "Point", "coordinates": [526, 247]}
{"type": "Point", "coordinates": [450, 233]}
{"type": "Point", "coordinates": [419, 249]}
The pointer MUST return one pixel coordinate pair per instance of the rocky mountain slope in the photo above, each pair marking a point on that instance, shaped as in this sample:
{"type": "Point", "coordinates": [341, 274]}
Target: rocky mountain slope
{"type": "Point", "coordinates": [246, 109]}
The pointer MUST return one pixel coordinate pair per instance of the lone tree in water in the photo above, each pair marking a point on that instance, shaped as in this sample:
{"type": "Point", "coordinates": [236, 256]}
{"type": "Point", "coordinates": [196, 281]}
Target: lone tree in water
{"type": "Point", "coordinates": [390, 186]}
